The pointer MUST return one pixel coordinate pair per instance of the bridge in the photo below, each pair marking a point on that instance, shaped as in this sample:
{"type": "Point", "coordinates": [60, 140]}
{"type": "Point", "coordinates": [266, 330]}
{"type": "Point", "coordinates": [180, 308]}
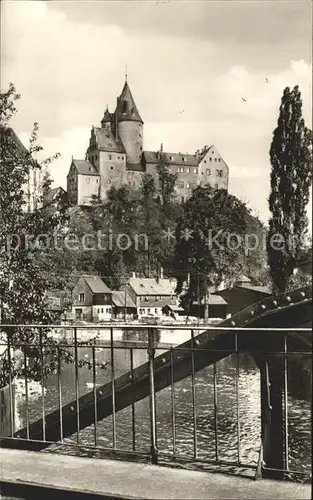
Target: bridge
{"type": "Point", "coordinates": [271, 330]}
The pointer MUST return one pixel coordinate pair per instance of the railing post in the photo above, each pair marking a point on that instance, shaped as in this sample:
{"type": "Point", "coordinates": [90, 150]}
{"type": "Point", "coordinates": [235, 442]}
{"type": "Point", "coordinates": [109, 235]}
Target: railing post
{"type": "Point", "coordinates": [272, 419]}
{"type": "Point", "coordinates": [151, 352]}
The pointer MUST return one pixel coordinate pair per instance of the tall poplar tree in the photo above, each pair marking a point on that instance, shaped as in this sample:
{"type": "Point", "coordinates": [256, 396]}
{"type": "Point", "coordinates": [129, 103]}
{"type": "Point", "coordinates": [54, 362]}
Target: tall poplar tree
{"type": "Point", "coordinates": [291, 175]}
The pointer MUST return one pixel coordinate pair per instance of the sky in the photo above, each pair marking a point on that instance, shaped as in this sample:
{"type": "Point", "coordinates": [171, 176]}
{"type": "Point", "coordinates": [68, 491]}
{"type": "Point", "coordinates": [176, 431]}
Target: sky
{"type": "Point", "coordinates": [189, 66]}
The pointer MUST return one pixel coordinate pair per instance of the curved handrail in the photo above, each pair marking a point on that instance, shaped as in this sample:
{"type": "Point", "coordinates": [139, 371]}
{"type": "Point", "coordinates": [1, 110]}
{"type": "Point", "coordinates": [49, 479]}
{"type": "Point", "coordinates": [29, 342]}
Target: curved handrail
{"type": "Point", "coordinates": [268, 304]}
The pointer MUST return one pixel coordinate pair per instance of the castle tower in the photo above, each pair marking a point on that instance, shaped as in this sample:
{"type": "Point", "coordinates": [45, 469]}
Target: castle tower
{"type": "Point", "coordinates": [129, 125]}
{"type": "Point", "coordinates": [106, 120]}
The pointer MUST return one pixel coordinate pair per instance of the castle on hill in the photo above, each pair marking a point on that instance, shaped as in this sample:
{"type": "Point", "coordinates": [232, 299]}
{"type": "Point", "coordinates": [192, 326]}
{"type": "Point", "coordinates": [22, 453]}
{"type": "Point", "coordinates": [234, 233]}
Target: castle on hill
{"type": "Point", "coordinates": [115, 157]}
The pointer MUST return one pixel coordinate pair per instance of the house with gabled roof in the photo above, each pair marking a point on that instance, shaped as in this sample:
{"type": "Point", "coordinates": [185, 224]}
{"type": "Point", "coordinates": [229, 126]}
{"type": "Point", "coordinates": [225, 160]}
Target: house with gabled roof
{"type": "Point", "coordinates": [151, 295]}
{"type": "Point", "coordinates": [115, 157]}
{"type": "Point", "coordinates": [91, 299]}
{"type": "Point", "coordinates": [83, 182]}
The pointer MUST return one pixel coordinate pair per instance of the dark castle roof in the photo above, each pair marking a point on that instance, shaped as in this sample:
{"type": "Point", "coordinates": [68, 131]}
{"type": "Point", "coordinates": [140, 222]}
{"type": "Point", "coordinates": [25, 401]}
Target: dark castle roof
{"type": "Point", "coordinates": [171, 158]}
{"type": "Point", "coordinates": [126, 109]}
{"type": "Point", "coordinates": [107, 142]}
{"type": "Point", "coordinates": [84, 167]}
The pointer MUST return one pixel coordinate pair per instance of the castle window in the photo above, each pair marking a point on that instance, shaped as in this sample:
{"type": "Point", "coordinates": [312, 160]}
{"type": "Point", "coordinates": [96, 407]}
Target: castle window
{"type": "Point", "coordinates": [97, 181]}
{"type": "Point", "coordinates": [188, 170]}
{"type": "Point", "coordinates": [215, 159]}
{"type": "Point", "coordinates": [219, 159]}
{"type": "Point", "coordinates": [110, 157]}
{"type": "Point", "coordinates": [180, 184]}
{"type": "Point", "coordinates": [171, 158]}
{"type": "Point", "coordinates": [96, 157]}
{"type": "Point", "coordinates": [204, 161]}
{"type": "Point", "coordinates": [195, 170]}
{"type": "Point", "coordinates": [118, 157]}
{"type": "Point", "coordinates": [219, 173]}
{"type": "Point", "coordinates": [216, 186]}
{"type": "Point", "coordinates": [109, 181]}
{"type": "Point", "coordinates": [210, 158]}
{"type": "Point", "coordinates": [181, 169]}
{"type": "Point", "coordinates": [182, 199]}
{"type": "Point", "coordinates": [124, 106]}
{"type": "Point", "coordinates": [208, 171]}
{"type": "Point", "coordinates": [111, 168]}
{"type": "Point", "coordinates": [188, 185]}
{"type": "Point", "coordinates": [88, 180]}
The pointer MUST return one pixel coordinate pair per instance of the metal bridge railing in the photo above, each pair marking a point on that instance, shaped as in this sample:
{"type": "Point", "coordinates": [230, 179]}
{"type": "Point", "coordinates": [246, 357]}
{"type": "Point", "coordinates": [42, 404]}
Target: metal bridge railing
{"type": "Point", "coordinates": [112, 387]}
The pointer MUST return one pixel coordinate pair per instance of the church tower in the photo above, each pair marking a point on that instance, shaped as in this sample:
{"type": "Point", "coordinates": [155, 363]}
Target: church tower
{"type": "Point", "coordinates": [129, 125]}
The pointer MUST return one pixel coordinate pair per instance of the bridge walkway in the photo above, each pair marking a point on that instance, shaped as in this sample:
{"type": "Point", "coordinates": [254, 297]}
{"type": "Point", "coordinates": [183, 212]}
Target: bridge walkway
{"type": "Point", "coordinates": [40, 475]}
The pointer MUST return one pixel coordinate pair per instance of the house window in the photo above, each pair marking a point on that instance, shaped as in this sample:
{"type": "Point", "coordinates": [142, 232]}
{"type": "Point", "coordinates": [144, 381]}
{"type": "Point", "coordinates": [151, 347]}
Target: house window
{"type": "Point", "coordinates": [81, 297]}
{"type": "Point", "coordinates": [208, 171]}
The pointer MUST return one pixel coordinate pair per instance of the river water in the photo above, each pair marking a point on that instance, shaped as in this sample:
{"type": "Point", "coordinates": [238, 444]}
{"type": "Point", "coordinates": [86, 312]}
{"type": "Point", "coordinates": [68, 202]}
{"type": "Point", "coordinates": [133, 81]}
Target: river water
{"type": "Point", "coordinates": [299, 412]}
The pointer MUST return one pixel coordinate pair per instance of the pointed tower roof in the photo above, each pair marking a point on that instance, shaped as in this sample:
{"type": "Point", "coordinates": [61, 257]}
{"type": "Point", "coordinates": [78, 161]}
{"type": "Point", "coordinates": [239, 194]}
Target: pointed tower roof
{"type": "Point", "coordinates": [106, 117]}
{"type": "Point", "coordinates": [126, 109]}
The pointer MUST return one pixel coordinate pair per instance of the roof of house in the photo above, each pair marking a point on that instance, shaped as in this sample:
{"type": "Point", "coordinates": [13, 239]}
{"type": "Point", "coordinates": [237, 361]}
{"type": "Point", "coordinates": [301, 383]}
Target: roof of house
{"type": "Point", "coordinates": [106, 140]}
{"type": "Point", "coordinates": [96, 284]}
{"type": "Point", "coordinates": [84, 167]}
{"type": "Point", "coordinates": [130, 111]}
{"type": "Point", "coordinates": [12, 134]}
{"type": "Point", "coordinates": [243, 279]}
{"type": "Point", "coordinates": [52, 195]}
{"type": "Point", "coordinates": [151, 302]}
{"type": "Point", "coordinates": [118, 299]}
{"type": "Point", "coordinates": [214, 300]}
{"type": "Point", "coordinates": [150, 286]}
{"type": "Point", "coordinates": [171, 158]}
{"type": "Point", "coordinates": [256, 288]}
{"type": "Point", "coordinates": [175, 308]}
